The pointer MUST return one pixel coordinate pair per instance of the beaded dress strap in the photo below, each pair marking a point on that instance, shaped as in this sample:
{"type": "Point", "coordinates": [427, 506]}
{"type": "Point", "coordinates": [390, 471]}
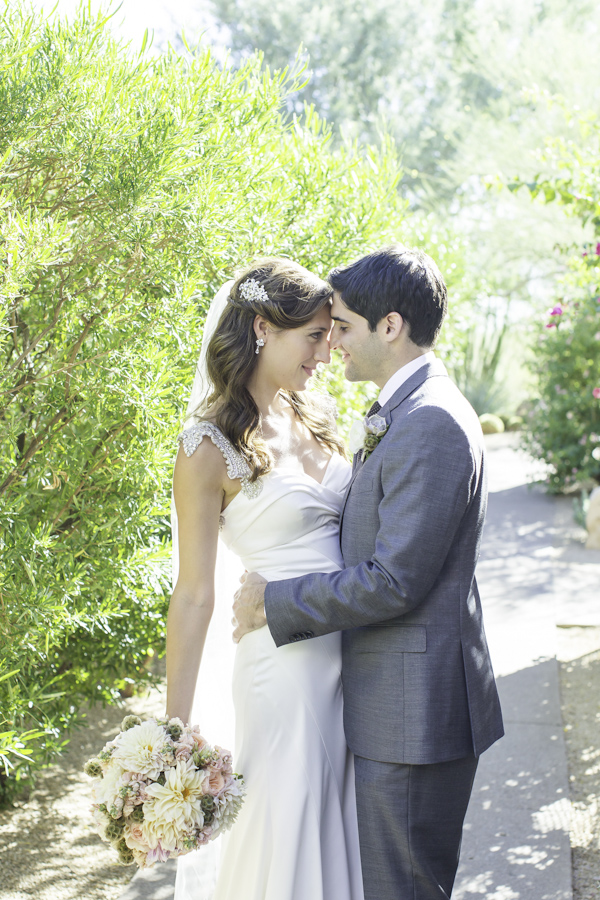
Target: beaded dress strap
{"type": "Point", "coordinates": [237, 467]}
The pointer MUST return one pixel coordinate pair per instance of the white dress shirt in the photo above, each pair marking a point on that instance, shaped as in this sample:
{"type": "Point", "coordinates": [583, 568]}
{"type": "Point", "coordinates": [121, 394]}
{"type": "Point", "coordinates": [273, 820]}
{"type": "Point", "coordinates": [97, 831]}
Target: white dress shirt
{"type": "Point", "coordinates": [402, 375]}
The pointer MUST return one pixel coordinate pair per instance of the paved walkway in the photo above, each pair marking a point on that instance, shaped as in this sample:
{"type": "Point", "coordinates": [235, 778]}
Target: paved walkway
{"type": "Point", "coordinates": [534, 574]}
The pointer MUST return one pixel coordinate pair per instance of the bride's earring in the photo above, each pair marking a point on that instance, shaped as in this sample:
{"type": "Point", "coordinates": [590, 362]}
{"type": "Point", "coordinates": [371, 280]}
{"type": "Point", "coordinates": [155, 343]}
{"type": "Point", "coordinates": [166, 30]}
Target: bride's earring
{"type": "Point", "coordinates": [259, 343]}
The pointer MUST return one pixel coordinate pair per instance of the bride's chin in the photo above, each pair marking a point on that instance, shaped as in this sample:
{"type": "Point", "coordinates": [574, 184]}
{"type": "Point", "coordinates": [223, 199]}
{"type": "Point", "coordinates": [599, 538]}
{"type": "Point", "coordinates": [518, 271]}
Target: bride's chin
{"type": "Point", "coordinates": [300, 385]}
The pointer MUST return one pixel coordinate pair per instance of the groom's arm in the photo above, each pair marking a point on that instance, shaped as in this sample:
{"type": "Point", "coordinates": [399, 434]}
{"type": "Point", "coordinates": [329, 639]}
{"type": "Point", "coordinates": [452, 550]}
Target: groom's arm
{"type": "Point", "coordinates": [429, 476]}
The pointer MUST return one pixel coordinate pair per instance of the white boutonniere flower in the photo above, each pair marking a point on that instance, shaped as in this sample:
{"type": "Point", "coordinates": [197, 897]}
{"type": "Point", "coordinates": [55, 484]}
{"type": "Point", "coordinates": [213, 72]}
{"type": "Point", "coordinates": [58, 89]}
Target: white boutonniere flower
{"type": "Point", "coordinates": [366, 434]}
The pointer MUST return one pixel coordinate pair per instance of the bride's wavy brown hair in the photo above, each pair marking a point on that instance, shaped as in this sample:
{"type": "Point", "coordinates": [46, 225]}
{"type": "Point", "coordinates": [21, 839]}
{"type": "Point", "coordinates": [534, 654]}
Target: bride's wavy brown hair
{"type": "Point", "coordinates": [295, 295]}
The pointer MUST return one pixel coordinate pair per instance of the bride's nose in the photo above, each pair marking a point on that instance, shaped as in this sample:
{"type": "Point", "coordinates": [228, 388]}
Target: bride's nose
{"type": "Point", "coordinates": [334, 338]}
{"type": "Point", "coordinates": [323, 354]}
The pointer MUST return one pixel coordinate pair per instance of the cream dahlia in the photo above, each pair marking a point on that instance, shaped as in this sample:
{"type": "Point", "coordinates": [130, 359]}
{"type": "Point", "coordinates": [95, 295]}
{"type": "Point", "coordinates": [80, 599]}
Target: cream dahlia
{"type": "Point", "coordinates": [143, 749]}
{"type": "Point", "coordinates": [106, 790]}
{"type": "Point", "coordinates": [176, 801]}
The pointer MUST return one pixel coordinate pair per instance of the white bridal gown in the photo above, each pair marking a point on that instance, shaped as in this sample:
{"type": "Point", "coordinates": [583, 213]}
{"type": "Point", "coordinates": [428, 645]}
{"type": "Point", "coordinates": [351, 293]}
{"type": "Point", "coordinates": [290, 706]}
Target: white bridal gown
{"type": "Point", "coordinates": [296, 837]}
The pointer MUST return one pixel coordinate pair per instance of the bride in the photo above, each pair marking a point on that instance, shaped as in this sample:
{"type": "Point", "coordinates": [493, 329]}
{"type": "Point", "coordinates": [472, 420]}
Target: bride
{"type": "Point", "coordinates": [264, 469]}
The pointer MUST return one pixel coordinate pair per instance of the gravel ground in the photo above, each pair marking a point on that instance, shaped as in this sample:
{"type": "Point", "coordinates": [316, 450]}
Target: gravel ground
{"type": "Point", "coordinates": [48, 848]}
{"type": "Point", "coordinates": [579, 652]}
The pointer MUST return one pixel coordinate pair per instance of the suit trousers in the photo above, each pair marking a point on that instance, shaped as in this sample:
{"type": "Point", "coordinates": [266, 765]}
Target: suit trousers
{"type": "Point", "coordinates": [410, 820]}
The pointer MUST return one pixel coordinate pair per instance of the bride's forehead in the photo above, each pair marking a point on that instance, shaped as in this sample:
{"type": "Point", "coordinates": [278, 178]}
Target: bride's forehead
{"type": "Point", "coordinates": [322, 317]}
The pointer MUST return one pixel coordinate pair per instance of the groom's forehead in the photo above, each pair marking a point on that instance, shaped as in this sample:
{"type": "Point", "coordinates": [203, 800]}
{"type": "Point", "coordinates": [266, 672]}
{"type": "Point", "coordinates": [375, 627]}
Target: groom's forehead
{"type": "Point", "coordinates": [340, 312]}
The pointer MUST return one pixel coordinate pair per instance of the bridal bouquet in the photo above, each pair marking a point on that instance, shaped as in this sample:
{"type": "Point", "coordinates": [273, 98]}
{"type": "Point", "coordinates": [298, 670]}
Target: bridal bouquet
{"type": "Point", "coordinates": [160, 790]}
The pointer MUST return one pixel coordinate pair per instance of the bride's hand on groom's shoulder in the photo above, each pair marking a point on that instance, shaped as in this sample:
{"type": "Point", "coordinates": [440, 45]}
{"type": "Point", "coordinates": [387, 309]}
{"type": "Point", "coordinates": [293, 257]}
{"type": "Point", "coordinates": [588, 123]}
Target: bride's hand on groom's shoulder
{"type": "Point", "coordinates": [249, 605]}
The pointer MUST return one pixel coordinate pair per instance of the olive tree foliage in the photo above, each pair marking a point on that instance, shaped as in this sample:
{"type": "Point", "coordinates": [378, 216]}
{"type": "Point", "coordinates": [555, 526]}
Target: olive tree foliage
{"type": "Point", "coordinates": [130, 189]}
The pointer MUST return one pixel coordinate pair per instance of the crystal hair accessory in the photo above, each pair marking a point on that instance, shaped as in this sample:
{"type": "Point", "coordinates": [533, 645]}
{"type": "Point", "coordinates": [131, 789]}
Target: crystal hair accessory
{"type": "Point", "coordinates": [251, 290]}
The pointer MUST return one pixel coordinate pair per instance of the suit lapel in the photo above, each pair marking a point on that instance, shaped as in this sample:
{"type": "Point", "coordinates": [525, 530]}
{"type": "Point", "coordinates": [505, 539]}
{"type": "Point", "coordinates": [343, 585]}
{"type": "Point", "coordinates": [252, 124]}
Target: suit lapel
{"type": "Point", "coordinates": [429, 370]}
{"type": "Point", "coordinates": [357, 466]}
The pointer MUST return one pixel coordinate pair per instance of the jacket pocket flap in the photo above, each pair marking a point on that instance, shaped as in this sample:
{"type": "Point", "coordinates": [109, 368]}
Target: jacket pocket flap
{"type": "Point", "coordinates": [392, 639]}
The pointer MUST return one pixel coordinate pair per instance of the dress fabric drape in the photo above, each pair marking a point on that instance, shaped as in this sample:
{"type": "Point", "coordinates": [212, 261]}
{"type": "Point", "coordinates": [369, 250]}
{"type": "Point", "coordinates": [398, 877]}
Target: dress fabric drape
{"type": "Point", "coordinates": [296, 837]}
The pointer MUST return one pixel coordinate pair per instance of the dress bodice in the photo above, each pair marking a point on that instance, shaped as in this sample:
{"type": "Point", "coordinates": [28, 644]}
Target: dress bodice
{"type": "Point", "coordinates": [290, 525]}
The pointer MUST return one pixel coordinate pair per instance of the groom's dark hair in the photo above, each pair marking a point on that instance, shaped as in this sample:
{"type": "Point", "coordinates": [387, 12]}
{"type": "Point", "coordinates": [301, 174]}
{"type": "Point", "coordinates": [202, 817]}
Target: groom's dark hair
{"type": "Point", "coordinates": [395, 279]}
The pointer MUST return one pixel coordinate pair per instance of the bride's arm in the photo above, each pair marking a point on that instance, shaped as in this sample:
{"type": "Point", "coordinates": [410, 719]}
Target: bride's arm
{"type": "Point", "coordinates": [198, 487]}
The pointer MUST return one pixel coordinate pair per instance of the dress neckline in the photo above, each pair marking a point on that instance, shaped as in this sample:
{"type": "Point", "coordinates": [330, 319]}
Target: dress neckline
{"type": "Point", "coordinates": [299, 474]}
{"type": "Point", "coordinates": [302, 472]}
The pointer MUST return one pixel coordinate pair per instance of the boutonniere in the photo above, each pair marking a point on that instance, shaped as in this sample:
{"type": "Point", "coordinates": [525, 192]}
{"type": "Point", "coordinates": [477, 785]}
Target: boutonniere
{"type": "Point", "coordinates": [366, 434]}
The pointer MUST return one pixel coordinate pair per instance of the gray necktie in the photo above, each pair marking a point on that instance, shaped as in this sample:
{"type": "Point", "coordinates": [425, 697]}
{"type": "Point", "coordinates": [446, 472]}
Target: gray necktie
{"type": "Point", "coordinates": [374, 409]}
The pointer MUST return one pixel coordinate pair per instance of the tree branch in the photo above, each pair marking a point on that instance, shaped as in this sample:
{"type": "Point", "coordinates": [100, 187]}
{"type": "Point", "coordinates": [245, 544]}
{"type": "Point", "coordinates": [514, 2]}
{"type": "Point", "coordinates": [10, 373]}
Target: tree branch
{"type": "Point", "coordinates": [39, 337]}
{"type": "Point", "coordinates": [70, 522]}
{"type": "Point", "coordinates": [36, 444]}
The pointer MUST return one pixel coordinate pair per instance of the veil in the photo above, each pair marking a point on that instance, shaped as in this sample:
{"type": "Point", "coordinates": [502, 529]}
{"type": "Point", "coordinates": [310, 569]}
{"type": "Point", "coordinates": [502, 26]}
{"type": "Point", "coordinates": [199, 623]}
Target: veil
{"type": "Point", "coordinates": [201, 390]}
{"type": "Point", "coordinates": [202, 387]}
{"type": "Point", "coordinates": [212, 709]}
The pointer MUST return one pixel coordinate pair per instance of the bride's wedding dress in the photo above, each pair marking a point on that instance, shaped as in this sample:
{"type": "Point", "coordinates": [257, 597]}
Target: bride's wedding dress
{"type": "Point", "coordinates": [296, 837]}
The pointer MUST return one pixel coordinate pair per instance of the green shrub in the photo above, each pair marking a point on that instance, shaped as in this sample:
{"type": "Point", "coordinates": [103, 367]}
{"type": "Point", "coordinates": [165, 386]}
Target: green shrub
{"type": "Point", "coordinates": [130, 189]}
{"type": "Point", "coordinates": [491, 424]}
{"type": "Point", "coordinates": [563, 427]}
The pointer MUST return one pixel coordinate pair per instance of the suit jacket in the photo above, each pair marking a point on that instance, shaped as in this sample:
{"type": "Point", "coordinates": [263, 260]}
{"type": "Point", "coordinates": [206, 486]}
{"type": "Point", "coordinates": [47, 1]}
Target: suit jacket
{"type": "Point", "coordinates": [418, 681]}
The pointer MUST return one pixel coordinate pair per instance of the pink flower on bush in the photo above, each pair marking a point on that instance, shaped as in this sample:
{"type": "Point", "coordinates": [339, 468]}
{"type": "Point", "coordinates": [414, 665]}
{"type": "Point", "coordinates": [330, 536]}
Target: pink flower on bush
{"type": "Point", "coordinates": [556, 310]}
{"type": "Point", "coordinates": [596, 393]}
{"type": "Point", "coordinates": [598, 249]}
{"type": "Point", "coordinates": [551, 325]}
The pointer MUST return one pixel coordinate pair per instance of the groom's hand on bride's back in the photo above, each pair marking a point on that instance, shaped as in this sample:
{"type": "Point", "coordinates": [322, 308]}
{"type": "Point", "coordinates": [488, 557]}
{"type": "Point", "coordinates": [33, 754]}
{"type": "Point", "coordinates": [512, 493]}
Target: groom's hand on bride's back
{"type": "Point", "coordinates": [249, 605]}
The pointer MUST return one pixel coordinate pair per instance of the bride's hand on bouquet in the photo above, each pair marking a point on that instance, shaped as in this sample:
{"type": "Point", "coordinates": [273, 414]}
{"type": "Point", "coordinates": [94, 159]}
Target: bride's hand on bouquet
{"type": "Point", "coordinates": [249, 605]}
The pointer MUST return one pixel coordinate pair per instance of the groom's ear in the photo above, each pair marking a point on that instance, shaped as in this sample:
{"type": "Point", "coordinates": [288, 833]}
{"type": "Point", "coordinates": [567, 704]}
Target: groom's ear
{"type": "Point", "coordinates": [391, 326]}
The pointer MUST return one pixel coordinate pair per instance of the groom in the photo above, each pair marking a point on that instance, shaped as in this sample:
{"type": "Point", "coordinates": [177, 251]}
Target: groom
{"type": "Point", "coordinates": [420, 700]}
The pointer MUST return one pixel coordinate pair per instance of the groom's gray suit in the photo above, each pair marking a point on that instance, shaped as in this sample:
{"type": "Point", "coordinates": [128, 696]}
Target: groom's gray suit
{"type": "Point", "coordinates": [420, 700]}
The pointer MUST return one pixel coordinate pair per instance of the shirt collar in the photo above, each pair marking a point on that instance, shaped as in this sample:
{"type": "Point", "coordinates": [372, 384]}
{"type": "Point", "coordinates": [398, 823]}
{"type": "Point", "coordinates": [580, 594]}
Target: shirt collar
{"type": "Point", "coordinates": [402, 375]}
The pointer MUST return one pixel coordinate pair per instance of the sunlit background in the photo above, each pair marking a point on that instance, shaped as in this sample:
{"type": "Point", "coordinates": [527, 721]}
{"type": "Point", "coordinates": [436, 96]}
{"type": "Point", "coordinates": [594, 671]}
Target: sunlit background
{"type": "Point", "coordinates": [134, 180]}
{"type": "Point", "coordinates": [464, 88]}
